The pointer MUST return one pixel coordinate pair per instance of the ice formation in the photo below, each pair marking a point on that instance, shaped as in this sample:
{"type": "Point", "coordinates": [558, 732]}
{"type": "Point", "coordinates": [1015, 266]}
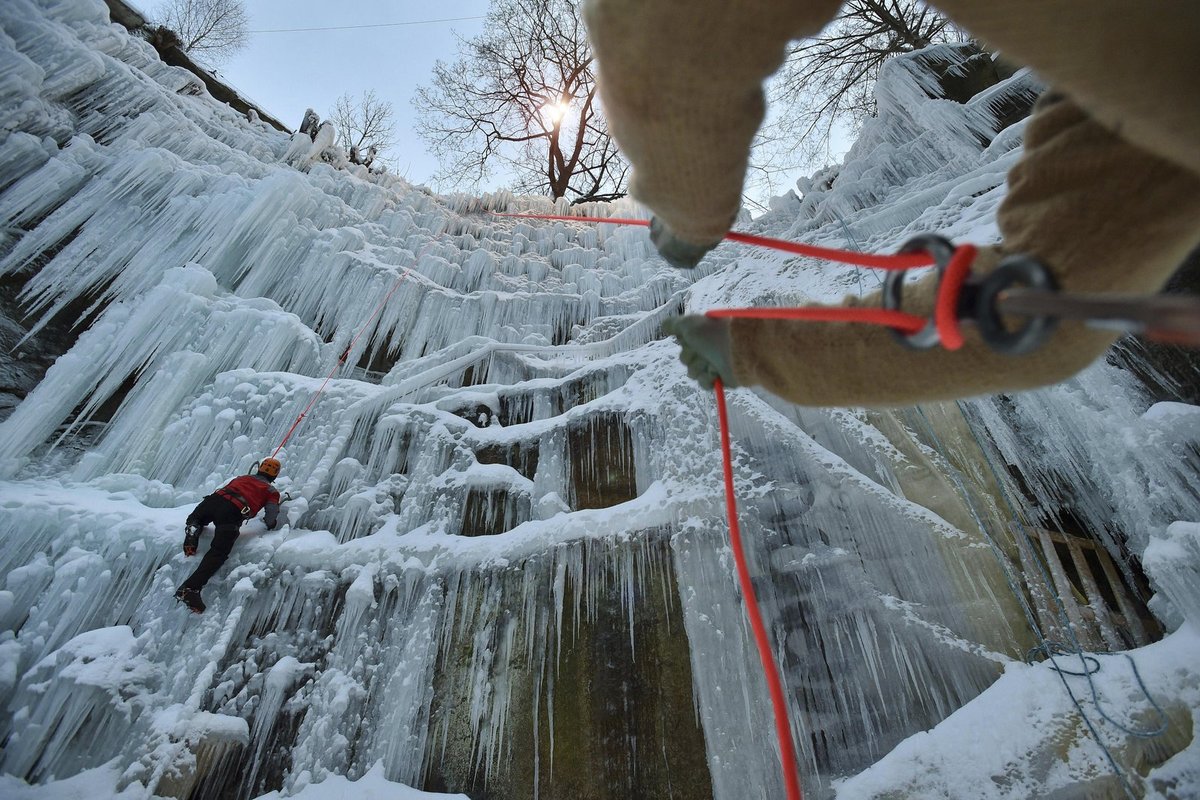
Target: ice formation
{"type": "Point", "coordinates": [504, 569]}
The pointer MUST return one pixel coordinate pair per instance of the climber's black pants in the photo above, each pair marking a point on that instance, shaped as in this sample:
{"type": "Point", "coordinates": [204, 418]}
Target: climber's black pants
{"type": "Point", "coordinates": [228, 521]}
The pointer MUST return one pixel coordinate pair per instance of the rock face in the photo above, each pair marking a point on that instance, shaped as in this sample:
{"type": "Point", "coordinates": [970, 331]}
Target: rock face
{"type": "Point", "coordinates": [504, 570]}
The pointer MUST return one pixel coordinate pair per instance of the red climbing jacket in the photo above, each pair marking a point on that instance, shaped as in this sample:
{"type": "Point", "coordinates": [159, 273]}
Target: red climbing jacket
{"type": "Point", "coordinates": [249, 494]}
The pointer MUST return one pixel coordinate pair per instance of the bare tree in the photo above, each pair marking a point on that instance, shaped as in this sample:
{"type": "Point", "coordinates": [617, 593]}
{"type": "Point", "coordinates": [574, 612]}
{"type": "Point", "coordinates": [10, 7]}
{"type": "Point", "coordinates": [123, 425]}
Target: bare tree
{"type": "Point", "coordinates": [365, 126]}
{"type": "Point", "coordinates": [213, 30]}
{"type": "Point", "coordinates": [522, 96]}
{"type": "Point", "coordinates": [827, 82]}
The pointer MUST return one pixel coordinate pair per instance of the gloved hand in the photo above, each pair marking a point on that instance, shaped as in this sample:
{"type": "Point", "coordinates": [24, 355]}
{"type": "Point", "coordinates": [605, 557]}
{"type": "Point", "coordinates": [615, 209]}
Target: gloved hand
{"type": "Point", "coordinates": [272, 525]}
{"type": "Point", "coordinates": [706, 348]}
{"type": "Point", "coordinates": [674, 250]}
{"type": "Point", "coordinates": [191, 539]}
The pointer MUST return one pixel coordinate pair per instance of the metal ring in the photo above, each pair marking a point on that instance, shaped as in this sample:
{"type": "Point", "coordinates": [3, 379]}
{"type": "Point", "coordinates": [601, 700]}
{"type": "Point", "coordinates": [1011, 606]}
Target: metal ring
{"type": "Point", "coordinates": [942, 251]}
{"type": "Point", "coordinates": [1015, 270]}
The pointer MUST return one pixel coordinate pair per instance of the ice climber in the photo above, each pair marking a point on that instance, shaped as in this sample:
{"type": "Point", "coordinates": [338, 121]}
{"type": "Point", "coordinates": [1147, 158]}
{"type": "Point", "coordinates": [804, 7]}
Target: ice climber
{"type": "Point", "coordinates": [239, 500]}
{"type": "Point", "coordinates": [1106, 193]}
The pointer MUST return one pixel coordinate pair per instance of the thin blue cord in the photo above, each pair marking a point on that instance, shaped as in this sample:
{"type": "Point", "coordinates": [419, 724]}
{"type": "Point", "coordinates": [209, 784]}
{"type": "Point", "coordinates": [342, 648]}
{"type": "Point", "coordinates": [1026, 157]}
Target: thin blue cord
{"type": "Point", "coordinates": [1048, 648]}
{"type": "Point", "coordinates": [1112, 762]}
{"type": "Point", "coordinates": [1087, 671]}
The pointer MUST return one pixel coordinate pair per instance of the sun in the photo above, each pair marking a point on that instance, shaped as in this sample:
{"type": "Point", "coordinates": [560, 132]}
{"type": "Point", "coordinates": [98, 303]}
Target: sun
{"type": "Point", "coordinates": [554, 112]}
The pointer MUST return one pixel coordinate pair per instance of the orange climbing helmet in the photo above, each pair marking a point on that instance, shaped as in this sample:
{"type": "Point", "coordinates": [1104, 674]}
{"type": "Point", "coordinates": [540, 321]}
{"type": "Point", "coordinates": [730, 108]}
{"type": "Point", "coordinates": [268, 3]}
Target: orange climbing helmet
{"type": "Point", "coordinates": [270, 466]}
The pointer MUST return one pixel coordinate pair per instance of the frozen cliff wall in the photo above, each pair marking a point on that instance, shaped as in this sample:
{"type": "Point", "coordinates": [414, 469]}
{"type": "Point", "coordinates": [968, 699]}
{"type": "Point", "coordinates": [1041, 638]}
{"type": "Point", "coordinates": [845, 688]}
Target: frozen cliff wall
{"type": "Point", "coordinates": [504, 571]}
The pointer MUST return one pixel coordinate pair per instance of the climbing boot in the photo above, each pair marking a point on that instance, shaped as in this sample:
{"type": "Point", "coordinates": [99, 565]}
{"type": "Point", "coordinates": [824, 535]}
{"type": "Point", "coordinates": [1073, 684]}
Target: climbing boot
{"type": "Point", "coordinates": [191, 598]}
{"type": "Point", "coordinates": [191, 539]}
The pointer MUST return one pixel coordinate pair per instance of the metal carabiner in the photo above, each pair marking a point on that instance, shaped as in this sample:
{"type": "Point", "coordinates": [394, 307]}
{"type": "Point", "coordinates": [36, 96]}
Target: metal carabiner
{"type": "Point", "coordinates": [980, 300]}
{"type": "Point", "coordinates": [942, 251]}
{"type": "Point", "coordinates": [1013, 272]}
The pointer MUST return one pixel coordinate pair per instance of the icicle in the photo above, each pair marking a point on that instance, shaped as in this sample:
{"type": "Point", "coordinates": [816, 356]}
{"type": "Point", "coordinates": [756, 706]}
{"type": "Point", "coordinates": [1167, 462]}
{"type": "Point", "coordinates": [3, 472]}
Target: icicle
{"type": "Point", "coordinates": [80, 692]}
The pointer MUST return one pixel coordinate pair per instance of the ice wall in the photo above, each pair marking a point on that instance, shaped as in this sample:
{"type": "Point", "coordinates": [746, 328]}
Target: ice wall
{"type": "Point", "coordinates": [504, 569]}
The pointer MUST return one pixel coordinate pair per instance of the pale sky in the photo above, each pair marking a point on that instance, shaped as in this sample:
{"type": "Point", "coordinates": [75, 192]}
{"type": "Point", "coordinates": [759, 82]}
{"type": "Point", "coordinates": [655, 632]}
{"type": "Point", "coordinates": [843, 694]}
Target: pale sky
{"type": "Point", "coordinates": [285, 73]}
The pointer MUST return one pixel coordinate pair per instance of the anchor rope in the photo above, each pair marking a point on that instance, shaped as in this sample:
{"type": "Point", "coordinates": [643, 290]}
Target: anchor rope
{"type": "Point", "coordinates": [341, 360]}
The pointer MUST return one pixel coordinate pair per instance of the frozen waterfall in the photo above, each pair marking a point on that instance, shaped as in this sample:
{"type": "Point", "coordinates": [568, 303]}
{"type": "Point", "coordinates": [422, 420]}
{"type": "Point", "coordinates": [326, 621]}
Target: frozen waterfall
{"type": "Point", "coordinates": [504, 571]}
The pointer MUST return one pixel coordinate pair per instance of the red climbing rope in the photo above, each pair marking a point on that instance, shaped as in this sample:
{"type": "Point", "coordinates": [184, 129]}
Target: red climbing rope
{"type": "Point", "coordinates": [945, 313]}
{"type": "Point", "coordinates": [896, 262]}
{"type": "Point", "coordinates": [645, 223]}
{"type": "Point", "coordinates": [905, 323]}
{"type": "Point", "coordinates": [313, 400]}
{"type": "Point", "coordinates": [945, 319]}
{"type": "Point", "coordinates": [783, 728]}
{"type": "Point", "coordinates": [945, 316]}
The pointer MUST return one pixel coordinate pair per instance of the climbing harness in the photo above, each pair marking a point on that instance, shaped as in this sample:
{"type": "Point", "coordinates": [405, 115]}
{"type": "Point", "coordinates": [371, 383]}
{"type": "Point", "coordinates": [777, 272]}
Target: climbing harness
{"type": "Point", "coordinates": [238, 501]}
